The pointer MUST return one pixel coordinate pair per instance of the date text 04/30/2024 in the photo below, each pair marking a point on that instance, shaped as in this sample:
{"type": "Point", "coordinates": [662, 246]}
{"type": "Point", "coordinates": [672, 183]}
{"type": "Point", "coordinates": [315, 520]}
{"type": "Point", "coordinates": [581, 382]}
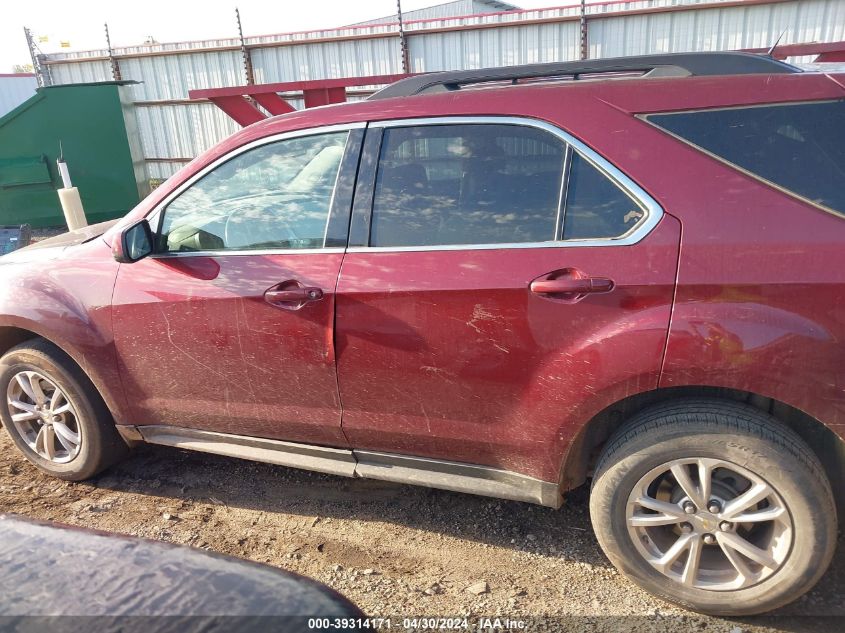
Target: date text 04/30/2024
{"type": "Point", "coordinates": [425, 624]}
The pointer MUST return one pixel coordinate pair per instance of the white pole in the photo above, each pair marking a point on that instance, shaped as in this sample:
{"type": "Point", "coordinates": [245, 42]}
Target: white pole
{"type": "Point", "coordinates": [64, 173]}
{"type": "Point", "coordinates": [70, 200]}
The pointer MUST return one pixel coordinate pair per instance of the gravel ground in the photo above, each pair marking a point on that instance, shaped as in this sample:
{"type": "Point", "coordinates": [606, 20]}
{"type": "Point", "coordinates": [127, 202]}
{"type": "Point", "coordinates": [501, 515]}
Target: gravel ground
{"type": "Point", "coordinates": [394, 550]}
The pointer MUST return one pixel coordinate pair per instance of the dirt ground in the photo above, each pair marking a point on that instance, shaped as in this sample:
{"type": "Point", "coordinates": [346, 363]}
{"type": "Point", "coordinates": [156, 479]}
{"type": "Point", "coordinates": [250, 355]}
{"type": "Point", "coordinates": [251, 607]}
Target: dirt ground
{"type": "Point", "coordinates": [394, 550]}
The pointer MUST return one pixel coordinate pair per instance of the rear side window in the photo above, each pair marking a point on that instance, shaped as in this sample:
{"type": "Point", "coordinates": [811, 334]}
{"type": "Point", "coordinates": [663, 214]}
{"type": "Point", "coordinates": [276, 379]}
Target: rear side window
{"type": "Point", "coordinates": [596, 207]}
{"type": "Point", "coordinates": [797, 147]}
{"type": "Point", "coordinates": [467, 184]}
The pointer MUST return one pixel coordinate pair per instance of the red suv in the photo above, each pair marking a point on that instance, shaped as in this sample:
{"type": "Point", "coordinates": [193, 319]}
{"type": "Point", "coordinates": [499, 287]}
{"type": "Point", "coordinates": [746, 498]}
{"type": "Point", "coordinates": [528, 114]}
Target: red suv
{"type": "Point", "coordinates": [504, 282]}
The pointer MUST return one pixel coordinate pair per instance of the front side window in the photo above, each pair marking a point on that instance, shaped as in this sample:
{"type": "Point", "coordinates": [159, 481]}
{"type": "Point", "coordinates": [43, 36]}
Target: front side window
{"type": "Point", "coordinates": [275, 196]}
{"type": "Point", "coordinates": [797, 147]}
{"type": "Point", "coordinates": [467, 184]}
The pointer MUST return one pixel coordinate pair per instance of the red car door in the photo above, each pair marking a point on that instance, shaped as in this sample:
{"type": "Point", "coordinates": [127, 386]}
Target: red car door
{"type": "Point", "coordinates": [502, 281]}
{"type": "Point", "coordinates": [229, 326]}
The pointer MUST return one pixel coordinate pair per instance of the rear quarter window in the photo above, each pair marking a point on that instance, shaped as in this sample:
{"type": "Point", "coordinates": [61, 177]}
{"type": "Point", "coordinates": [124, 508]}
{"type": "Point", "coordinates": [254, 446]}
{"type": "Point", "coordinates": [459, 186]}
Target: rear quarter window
{"type": "Point", "coordinates": [797, 147]}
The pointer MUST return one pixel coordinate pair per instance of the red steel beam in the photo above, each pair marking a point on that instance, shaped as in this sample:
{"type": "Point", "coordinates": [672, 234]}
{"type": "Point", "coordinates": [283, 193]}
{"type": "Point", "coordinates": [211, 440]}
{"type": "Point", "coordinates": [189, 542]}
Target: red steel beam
{"type": "Point", "coordinates": [272, 102]}
{"type": "Point", "coordinates": [826, 51]}
{"type": "Point", "coordinates": [323, 96]}
{"type": "Point", "coordinates": [234, 100]}
{"type": "Point", "coordinates": [239, 109]}
{"type": "Point", "coordinates": [833, 56]}
{"type": "Point", "coordinates": [295, 86]}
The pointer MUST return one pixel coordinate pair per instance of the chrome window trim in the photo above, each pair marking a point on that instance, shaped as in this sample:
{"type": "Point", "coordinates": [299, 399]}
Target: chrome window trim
{"type": "Point", "coordinates": [653, 211]}
{"type": "Point", "coordinates": [282, 136]}
{"type": "Point", "coordinates": [560, 220]}
{"type": "Point", "coordinates": [262, 251]}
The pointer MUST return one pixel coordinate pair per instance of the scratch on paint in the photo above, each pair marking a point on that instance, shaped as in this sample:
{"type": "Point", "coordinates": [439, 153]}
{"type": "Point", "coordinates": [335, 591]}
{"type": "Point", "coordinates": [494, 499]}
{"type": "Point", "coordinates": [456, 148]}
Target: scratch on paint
{"type": "Point", "coordinates": [434, 370]}
{"type": "Point", "coordinates": [479, 313]}
{"type": "Point", "coordinates": [184, 353]}
{"type": "Point", "coordinates": [427, 419]}
{"type": "Point", "coordinates": [241, 350]}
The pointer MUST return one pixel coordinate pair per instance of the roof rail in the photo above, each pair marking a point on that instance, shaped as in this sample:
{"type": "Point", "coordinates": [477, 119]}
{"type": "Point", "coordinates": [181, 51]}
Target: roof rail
{"type": "Point", "coordinates": [665, 65]}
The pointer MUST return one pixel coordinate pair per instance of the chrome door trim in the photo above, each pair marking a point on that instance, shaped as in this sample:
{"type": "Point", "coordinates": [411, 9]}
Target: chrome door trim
{"type": "Point", "coordinates": [405, 469]}
{"type": "Point", "coordinates": [161, 206]}
{"type": "Point", "coordinates": [648, 204]}
{"type": "Point", "coordinates": [263, 251]}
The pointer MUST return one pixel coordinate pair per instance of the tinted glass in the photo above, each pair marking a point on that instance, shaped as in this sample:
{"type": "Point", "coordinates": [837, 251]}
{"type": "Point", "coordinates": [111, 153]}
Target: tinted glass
{"type": "Point", "coordinates": [274, 196]}
{"type": "Point", "coordinates": [596, 207]}
{"type": "Point", "coordinates": [466, 184]}
{"type": "Point", "coordinates": [798, 147]}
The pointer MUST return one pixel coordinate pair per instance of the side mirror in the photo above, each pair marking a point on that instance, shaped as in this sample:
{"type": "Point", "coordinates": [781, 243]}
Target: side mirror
{"type": "Point", "coordinates": [133, 243]}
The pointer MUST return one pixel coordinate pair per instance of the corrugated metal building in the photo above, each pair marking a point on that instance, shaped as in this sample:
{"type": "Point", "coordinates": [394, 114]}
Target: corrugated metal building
{"type": "Point", "coordinates": [15, 89]}
{"type": "Point", "coordinates": [175, 129]}
{"type": "Point", "coordinates": [446, 10]}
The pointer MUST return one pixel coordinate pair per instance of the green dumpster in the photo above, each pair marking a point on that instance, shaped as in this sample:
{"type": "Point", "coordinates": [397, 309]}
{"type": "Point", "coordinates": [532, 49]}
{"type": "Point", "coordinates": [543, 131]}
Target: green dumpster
{"type": "Point", "coordinates": [94, 124]}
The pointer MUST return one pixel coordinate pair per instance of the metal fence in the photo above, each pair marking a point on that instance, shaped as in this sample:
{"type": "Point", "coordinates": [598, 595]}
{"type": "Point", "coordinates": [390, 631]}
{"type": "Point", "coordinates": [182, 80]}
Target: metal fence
{"type": "Point", "coordinates": [175, 129]}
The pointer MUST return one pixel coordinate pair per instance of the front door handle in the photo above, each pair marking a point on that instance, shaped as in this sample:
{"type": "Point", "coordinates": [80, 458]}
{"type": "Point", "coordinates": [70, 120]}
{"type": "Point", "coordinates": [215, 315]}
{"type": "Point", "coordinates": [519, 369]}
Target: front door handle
{"type": "Point", "coordinates": [292, 295]}
{"type": "Point", "coordinates": [571, 285]}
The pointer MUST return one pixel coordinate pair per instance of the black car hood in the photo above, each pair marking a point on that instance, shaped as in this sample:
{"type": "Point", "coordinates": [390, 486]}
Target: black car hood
{"type": "Point", "coordinates": [52, 570]}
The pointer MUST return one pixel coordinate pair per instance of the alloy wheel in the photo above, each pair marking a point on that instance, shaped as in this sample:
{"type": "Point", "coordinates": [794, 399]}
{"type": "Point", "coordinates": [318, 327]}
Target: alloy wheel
{"type": "Point", "coordinates": [44, 417]}
{"type": "Point", "coordinates": [709, 524]}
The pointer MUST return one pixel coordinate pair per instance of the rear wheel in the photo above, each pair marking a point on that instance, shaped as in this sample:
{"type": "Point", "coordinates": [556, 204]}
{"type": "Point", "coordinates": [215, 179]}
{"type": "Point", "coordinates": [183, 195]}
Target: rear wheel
{"type": "Point", "coordinates": [54, 415]}
{"type": "Point", "coordinates": [714, 506]}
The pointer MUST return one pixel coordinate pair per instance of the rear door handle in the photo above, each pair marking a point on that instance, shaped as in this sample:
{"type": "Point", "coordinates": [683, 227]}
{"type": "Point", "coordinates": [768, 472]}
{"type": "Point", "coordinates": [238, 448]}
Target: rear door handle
{"type": "Point", "coordinates": [291, 295]}
{"type": "Point", "coordinates": [571, 285]}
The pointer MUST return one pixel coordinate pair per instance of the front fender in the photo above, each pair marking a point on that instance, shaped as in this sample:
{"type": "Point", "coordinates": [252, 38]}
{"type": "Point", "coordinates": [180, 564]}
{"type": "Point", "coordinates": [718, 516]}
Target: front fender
{"type": "Point", "coordinates": [65, 298]}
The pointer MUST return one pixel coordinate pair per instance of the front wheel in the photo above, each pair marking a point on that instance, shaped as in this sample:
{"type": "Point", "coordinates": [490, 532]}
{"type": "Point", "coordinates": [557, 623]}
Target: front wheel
{"type": "Point", "coordinates": [54, 415]}
{"type": "Point", "coordinates": [714, 506]}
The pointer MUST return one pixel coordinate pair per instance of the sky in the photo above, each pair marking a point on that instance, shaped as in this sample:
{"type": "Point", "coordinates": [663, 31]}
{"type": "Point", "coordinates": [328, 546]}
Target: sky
{"type": "Point", "coordinates": [130, 22]}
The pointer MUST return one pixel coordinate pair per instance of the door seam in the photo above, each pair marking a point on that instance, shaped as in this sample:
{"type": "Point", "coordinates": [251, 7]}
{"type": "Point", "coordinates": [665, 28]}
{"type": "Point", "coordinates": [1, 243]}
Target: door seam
{"type": "Point", "coordinates": [674, 301]}
{"type": "Point", "coordinates": [335, 350]}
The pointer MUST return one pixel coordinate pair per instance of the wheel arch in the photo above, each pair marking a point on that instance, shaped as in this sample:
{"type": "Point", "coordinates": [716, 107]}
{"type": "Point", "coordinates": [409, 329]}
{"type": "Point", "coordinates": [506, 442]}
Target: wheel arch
{"type": "Point", "coordinates": [583, 452]}
{"type": "Point", "coordinates": [13, 335]}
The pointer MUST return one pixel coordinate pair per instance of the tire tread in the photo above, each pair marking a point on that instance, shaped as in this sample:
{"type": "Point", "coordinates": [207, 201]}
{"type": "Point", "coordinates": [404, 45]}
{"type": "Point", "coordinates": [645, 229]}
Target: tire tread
{"type": "Point", "coordinates": [722, 416]}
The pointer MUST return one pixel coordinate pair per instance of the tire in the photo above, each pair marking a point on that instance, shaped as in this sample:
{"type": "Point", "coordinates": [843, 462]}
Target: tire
{"type": "Point", "coordinates": [738, 445]}
{"type": "Point", "coordinates": [85, 414]}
